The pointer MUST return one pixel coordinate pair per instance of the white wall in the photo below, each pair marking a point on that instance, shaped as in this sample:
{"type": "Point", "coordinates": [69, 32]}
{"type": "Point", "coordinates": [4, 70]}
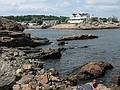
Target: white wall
{"type": "Point", "coordinates": [75, 21]}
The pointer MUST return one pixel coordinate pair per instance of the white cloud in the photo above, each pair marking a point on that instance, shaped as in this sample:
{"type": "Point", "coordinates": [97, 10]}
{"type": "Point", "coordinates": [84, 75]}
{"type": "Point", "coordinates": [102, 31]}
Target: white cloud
{"type": "Point", "coordinates": [103, 5]}
{"type": "Point", "coordinates": [25, 7]}
{"type": "Point", "coordinates": [57, 7]}
{"type": "Point", "coordinates": [103, 2]}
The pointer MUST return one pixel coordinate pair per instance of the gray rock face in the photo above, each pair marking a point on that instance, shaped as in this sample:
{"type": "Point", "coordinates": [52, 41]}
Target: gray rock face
{"type": "Point", "coordinates": [7, 74]}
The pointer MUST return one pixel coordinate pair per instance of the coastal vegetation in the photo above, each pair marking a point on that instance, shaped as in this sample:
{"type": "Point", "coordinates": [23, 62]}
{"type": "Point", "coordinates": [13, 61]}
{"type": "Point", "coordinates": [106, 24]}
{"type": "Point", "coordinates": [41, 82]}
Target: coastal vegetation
{"type": "Point", "coordinates": [37, 18]}
{"type": "Point", "coordinates": [102, 20]}
{"type": "Point", "coordinates": [62, 22]}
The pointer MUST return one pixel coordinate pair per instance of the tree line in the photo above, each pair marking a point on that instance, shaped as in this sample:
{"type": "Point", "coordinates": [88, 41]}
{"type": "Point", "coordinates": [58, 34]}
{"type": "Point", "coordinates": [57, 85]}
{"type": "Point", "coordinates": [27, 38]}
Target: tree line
{"type": "Point", "coordinates": [37, 18]}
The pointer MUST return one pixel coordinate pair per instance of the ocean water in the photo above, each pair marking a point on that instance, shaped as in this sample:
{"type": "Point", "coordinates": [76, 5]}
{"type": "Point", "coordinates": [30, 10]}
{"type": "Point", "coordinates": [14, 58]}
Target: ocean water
{"type": "Point", "coordinates": [105, 48]}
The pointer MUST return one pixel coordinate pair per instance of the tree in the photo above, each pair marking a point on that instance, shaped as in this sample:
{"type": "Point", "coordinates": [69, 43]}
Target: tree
{"type": "Point", "coordinates": [39, 22]}
{"type": "Point", "coordinates": [113, 19]}
{"type": "Point", "coordinates": [94, 19]}
{"type": "Point", "coordinates": [103, 19]}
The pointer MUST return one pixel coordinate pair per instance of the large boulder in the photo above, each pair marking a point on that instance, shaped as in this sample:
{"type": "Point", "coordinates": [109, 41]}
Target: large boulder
{"type": "Point", "coordinates": [7, 75]}
{"type": "Point", "coordinates": [96, 68]}
{"type": "Point", "coordinates": [51, 53]}
{"type": "Point", "coordinates": [90, 70]}
{"type": "Point", "coordinates": [6, 24]}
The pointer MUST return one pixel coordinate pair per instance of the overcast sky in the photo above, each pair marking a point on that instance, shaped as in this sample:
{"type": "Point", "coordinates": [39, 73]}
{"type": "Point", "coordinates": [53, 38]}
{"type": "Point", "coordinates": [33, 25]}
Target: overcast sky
{"type": "Point", "coordinates": [60, 7]}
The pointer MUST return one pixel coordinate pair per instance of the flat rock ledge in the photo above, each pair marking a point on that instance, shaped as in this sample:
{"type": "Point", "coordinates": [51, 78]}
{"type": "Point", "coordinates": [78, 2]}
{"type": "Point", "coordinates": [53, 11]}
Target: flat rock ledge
{"type": "Point", "coordinates": [77, 37]}
{"type": "Point", "coordinates": [18, 56]}
{"type": "Point", "coordinates": [20, 39]}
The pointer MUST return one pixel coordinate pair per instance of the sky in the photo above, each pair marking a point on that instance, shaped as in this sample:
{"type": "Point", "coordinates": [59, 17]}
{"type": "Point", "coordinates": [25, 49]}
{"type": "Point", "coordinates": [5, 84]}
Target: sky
{"type": "Point", "coordinates": [103, 8]}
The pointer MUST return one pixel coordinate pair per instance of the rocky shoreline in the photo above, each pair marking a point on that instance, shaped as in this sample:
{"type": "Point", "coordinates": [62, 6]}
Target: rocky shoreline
{"type": "Point", "coordinates": [27, 63]}
{"type": "Point", "coordinates": [22, 63]}
{"type": "Point", "coordinates": [23, 73]}
{"type": "Point", "coordinates": [85, 26]}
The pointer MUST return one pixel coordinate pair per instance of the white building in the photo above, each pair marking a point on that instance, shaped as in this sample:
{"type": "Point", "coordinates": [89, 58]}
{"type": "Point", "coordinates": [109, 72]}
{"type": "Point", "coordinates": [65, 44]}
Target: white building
{"type": "Point", "coordinates": [50, 22]}
{"type": "Point", "coordinates": [78, 18]}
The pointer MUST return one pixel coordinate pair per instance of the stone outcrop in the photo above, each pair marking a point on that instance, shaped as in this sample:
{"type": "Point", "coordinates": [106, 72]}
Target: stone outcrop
{"type": "Point", "coordinates": [96, 68]}
{"type": "Point", "coordinates": [90, 70]}
{"type": "Point", "coordinates": [46, 53]}
{"type": "Point", "coordinates": [20, 39]}
{"type": "Point", "coordinates": [6, 24]}
{"type": "Point", "coordinates": [77, 37]}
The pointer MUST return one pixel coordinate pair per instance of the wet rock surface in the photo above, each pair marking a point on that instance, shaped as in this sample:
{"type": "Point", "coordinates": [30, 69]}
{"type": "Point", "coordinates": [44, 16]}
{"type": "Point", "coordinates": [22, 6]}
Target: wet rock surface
{"type": "Point", "coordinates": [96, 68]}
{"type": "Point", "coordinates": [6, 24]}
{"type": "Point", "coordinates": [77, 37]}
{"type": "Point", "coordinates": [20, 39]}
{"type": "Point", "coordinates": [88, 71]}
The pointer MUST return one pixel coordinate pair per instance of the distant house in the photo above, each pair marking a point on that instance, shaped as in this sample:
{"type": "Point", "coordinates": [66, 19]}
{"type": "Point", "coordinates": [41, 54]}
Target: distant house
{"type": "Point", "coordinates": [27, 23]}
{"type": "Point", "coordinates": [50, 22]}
{"type": "Point", "coordinates": [78, 18]}
{"type": "Point", "coordinates": [32, 24]}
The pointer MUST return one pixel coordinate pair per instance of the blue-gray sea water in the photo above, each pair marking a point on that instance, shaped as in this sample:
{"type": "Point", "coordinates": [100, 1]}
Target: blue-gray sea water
{"type": "Point", "coordinates": [105, 48]}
